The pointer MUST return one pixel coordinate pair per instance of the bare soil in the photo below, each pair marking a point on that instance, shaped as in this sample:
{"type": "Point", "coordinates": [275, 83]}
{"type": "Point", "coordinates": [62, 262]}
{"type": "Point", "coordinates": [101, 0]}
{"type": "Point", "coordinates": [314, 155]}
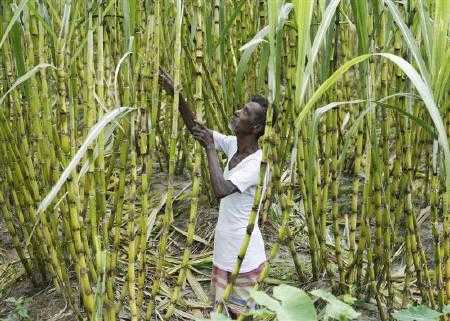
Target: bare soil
{"type": "Point", "coordinates": [42, 302]}
{"type": "Point", "coordinates": [45, 303]}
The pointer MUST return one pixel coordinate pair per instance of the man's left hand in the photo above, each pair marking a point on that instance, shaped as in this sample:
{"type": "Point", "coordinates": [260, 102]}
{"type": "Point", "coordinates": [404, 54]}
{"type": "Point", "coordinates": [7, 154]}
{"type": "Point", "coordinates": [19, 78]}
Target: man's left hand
{"type": "Point", "coordinates": [203, 135]}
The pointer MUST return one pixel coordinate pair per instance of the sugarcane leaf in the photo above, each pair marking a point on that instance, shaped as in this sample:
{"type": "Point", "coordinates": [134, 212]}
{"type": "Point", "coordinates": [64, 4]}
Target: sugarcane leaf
{"type": "Point", "coordinates": [409, 39]}
{"type": "Point", "coordinates": [264, 299]}
{"type": "Point", "coordinates": [320, 111]}
{"type": "Point", "coordinates": [441, 82]}
{"type": "Point", "coordinates": [41, 15]}
{"type": "Point", "coordinates": [351, 132]}
{"type": "Point", "coordinates": [271, 75]}
{"type": "Point", "coordinates": [24, 78]}
{"type": "Point", "coordinates": [303, 18]}
{"type": "Point", "coordinates": [116, 76]}
{"type": "Point", "coordinates": [417, 313]}
{"type": "Point", "coordinates": [318, 40]}
{"type": "Point", "coordinates": [420, 85]}
{"type": "Point", "coordinates": [326, 85]}
{"type": "Point", "coordinates": [440, 37]}
{"type": "Point", "coordinates": [13, 20]}
{"type": "Point", "coordinates": [335, 308]}
{"type": "Point", "coordinates": [425, 26]}
{"type": "Point", "coordinates": [426, 94]}
{"type": "Point", "coordinates": [260, 36]}
{"type": "Point", "coordinates": [65, 20]}
{"type": "Point", "coordinates": [93, 134]}
{"type": "Point", "coordinates": [318, 114]}
{"type": "Point", "coordinates": [416, 120]}
{"type": "Point", "coordinates": [230, 22]}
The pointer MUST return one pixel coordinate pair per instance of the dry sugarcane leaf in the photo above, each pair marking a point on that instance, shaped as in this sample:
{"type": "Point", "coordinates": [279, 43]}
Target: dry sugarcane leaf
{"type": "Point", "coordinates": [196, 238]}
{"type": "Point", "coordinates": [196, 287]}
{"type": "Point", "coordinates": [152, 217]}
{"type": "Point", "coordinates": [185, 315]}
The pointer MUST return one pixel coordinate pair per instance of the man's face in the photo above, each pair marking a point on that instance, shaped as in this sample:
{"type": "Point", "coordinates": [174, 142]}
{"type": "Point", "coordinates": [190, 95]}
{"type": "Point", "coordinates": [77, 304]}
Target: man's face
{"type": "Point", "coordinates": [244, 120]}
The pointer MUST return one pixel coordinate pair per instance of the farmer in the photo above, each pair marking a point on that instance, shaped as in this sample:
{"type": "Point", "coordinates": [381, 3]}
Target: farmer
{"type": "Point", "coordinates": [235, 187]}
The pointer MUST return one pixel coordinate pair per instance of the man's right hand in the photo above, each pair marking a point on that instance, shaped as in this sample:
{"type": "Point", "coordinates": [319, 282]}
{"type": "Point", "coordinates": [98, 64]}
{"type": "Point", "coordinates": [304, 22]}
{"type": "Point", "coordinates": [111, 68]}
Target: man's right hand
{"type": "Point", "coordinates": [203, 135]}
{"type": "Point", "coordinates": [166, 82]}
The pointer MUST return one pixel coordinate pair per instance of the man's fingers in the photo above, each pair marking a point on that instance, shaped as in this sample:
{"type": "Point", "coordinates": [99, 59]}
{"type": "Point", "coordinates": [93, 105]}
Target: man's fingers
{"type": "Point", "coordinates": [198, 129]}
{"type": "Point", "coordinates": [197, 133]}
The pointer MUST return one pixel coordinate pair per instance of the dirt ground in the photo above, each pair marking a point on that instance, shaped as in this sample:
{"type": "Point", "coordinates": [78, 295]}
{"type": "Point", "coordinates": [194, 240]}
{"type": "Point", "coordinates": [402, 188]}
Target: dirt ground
{"type": "Point", "coordinates": [40, 302]}
{"type": "Point", "coordinates": [45, 303]}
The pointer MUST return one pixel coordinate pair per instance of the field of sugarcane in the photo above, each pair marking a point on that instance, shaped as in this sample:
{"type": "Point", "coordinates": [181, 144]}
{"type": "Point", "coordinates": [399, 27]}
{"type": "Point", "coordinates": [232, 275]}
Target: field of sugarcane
{"type": "Point", "coordinates": [106, 196]}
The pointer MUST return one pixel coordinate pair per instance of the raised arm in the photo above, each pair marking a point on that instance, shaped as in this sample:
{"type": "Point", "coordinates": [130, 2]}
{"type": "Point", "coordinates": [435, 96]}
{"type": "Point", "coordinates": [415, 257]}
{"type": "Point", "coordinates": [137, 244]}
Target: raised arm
{"type": "Point", "coordinates": [183, 107]}
{"type": "Point", "coordinates": [220, 185]}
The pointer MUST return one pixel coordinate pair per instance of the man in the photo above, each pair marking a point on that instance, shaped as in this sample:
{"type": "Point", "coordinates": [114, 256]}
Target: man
{"type": "Point", "coordinates": [235, 187]}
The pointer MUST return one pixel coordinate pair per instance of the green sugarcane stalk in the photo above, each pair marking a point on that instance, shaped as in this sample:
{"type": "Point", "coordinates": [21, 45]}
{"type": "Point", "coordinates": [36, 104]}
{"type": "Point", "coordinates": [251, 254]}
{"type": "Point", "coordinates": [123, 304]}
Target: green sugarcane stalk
{"type": "Point", "coordinates": [146, 161]}
{"type": "Point", "coordinates": [196, 170]}
{"type": "Point", "coordinates": [372, 284]}
{"type": "Point", "coordinates": [434, 203]}
{"type": "Point", "coordinates": [168, 214]}
{"type": "Point", "coordinates": [6, 214]}
{"type": "Point", "coordinates": [100, 178]}
{"type": "Point", "coordinates": [66, 150]}
{"type": "Point", "coordinates": [131, 229]}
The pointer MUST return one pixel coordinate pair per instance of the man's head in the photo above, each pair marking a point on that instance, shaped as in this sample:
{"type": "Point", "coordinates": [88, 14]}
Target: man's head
{"type": "Point", "coordinates": [251, 118]}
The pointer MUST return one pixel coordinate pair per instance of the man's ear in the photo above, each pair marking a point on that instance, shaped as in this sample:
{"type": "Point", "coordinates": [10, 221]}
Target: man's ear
{"type": "Point", "coordinates": [258, 129]}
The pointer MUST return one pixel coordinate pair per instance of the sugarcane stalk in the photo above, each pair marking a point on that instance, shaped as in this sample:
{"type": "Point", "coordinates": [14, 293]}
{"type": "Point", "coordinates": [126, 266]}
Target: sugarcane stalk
{"type": "Point", "coordinates": [168, 214]}
{"type": "Point", "coordinates": [196, 170]}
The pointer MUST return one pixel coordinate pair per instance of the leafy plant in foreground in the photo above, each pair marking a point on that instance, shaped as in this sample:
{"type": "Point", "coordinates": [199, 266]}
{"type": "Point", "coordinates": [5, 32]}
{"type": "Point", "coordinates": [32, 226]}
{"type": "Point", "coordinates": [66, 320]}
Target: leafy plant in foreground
{"type": "Point", "coordinates": [420, 313]}
{"type": "Point", "coordinates": [20, 310]}
{"type": "Point", "coordinates": [292, 304]}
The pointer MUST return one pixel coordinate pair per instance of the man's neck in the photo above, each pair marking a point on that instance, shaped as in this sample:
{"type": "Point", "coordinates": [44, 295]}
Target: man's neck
{"type": "Point", "coordinates": [247, 145]}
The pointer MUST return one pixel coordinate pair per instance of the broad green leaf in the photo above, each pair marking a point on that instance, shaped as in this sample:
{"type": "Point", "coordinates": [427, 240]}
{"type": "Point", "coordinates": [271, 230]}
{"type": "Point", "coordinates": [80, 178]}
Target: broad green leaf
{"type": "Point", "coordinates": [335, 308]}
{"type": "Point", "coordinates": [264, 299]}
{"type": "Point", "coordinates": [296, 305]}
{"type": "Point", "coordinates": [446, 309]}
{"type": "Point", "coordinates": [219, 317]}
{"type": "Point", "coordinates": [263, 314]}
{"type": "Point", "coordinates": [417, 313]}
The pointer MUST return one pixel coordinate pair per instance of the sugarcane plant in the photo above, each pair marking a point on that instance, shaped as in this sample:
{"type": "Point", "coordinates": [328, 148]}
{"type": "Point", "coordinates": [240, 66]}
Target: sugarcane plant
{"type": "Point", "coordinates": [356, 159]}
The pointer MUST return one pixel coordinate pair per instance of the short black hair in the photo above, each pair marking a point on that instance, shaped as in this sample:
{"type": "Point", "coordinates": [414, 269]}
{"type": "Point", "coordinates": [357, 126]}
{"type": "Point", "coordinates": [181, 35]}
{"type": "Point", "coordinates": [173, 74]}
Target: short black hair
{"type": "Point", "coordinates": [261, 118]}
